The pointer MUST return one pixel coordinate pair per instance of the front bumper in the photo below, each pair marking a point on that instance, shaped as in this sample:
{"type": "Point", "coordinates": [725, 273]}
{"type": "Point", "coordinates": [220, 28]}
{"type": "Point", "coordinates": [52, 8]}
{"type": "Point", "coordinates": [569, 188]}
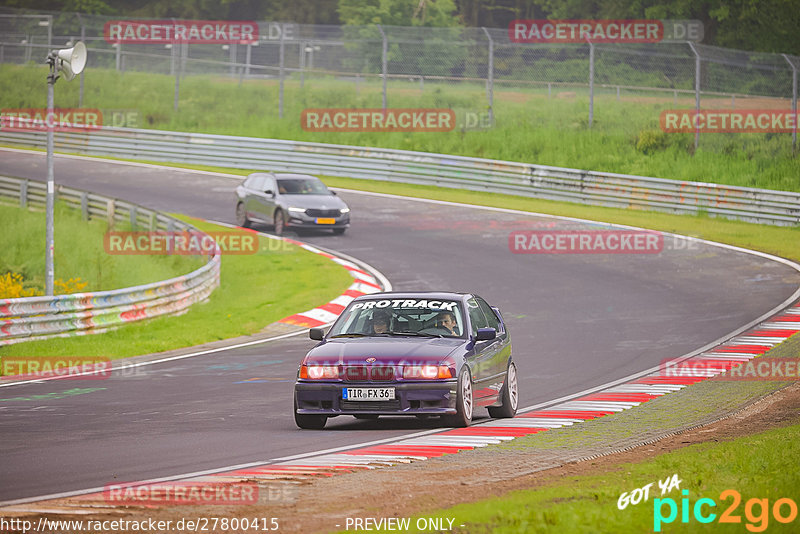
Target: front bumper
{"type": "Point", "coordinates": [301, 220]}
{"type": "Point", "coordinates": [413, 398]}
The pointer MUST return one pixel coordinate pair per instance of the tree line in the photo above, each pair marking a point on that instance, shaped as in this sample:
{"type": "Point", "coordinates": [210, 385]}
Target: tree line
{"type": "Point", "coordinates": [757, 25]}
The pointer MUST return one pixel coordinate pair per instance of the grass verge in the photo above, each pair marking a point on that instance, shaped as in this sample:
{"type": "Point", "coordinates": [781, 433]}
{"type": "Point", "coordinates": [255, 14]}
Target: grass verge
{"type": "Point", "coordinates": [589, 503]}
{"type": "Point", "coordinates": [78, 252]}
{"type": "Point", "coordinates": [256, 290]}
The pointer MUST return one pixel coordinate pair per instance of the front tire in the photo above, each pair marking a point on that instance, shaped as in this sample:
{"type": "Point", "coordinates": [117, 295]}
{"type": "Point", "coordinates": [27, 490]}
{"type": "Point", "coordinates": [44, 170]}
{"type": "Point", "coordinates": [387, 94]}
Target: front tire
{"type": "Point", "coordinates": [279, 222]}
{"type": "Point", "coordinates": [464, 402]}
{"type": "Point", "coordinates": [241, 216]}
{"type": "Point", "coordinates": [509, 395]}
{"type": "Point", "coordinates": [309, 421]}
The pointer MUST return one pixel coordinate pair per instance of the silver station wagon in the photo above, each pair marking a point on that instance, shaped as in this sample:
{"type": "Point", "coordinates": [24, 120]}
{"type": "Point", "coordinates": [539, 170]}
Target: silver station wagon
{"type": "Point", "coordinates": [289, 201]}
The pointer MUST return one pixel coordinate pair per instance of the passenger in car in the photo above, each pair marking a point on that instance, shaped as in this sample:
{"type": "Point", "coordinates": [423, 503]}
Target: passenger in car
{"type": "Point", "coordinates": [448, 321]}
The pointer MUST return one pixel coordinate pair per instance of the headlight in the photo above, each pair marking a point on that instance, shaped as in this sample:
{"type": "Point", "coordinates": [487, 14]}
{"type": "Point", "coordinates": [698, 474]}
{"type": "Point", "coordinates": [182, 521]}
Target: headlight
{"type": "Point", "coordinates": [297, 210]}
{"type": "Point", "coordinates": [319, 372]}
{"type": "Point", "coordinates": [427, 372]}
{"type": "Point", "coordinates": [345, 210]}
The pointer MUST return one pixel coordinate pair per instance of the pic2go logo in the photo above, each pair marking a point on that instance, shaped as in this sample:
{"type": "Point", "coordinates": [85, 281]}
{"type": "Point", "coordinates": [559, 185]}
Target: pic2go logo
{"type": "Point", "coordinates": [756, 511]}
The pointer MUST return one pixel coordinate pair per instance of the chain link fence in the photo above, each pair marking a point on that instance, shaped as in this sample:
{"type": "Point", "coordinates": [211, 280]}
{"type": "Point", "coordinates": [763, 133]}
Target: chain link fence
{"type": "Point", "coordinates": [474, 62]}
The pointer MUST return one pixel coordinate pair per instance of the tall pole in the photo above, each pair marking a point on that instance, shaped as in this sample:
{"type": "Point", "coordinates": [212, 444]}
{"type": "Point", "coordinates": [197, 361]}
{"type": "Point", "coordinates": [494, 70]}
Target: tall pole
{"type": "Point", "coordinates": [591, 83]}
{"type": "Point", "coordinates": [51, 187]}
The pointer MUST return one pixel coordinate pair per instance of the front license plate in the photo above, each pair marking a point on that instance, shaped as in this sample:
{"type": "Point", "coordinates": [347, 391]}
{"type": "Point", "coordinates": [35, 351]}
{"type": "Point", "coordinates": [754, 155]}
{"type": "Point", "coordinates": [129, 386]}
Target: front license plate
{"type": "Point", "coordinates": [367, 394]}
{"type": "Point", "coordinates": [321, 220]}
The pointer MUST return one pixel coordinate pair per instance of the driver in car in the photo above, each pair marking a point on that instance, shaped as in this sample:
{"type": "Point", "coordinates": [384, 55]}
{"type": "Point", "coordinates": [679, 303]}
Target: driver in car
{"type": "Point", "coordinates": [380, 322]}
{"type": "Point", "coordinates": [448, 320]}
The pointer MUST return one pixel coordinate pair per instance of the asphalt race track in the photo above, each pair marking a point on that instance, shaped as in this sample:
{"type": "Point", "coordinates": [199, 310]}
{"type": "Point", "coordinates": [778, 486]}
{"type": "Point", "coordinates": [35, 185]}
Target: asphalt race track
{"type": "Point", "coordinates": [577, 321]}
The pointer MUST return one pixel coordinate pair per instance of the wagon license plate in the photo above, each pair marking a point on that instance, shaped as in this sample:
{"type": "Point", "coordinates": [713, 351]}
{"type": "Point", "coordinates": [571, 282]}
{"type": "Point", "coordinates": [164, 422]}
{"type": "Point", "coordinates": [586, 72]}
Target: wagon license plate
{"type": "Point", "coordinates": [368, 394]}
{"type": "Point", "coordinates": [325, 220]}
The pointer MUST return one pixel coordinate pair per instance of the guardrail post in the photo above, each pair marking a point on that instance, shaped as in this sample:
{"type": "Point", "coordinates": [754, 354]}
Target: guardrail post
{"type": "Point", "coordinates": [794, 102]}
{"type": "Point", "coordinates": [111, 209]}
{"type": "Point", "coordinates": [696, 93]}
{"type": "Point", "coordinates": [490, 76]}
{"type": "Point", "coordinates": [281, 59]}
{"type": "Point", "coordinates": [133, 215]}
{"type": "Point", "coordinates": [384, 62]}
{"type": "Point", "coordinates": [85, 205]}
{"type": "Point", "coordinates": [23, 194]}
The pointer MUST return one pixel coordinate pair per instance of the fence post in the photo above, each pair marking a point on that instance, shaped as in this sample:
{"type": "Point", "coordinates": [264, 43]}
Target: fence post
{"type": "Point", "coordinates": [119, 55]}
{"type": "Point", "coordinates": [177, 68]}
{"type": "Point", "coordinates": [247, 59]}
{"type": "Point", "coordinates": [302, 64]}
{"type": "Point", "coordinates": [490, 76]}
{"type": "Point", "coordinates": [232, 59]}
{"type": "Point", "coordinates": [696, 93]}
{"type": "Point", "coordinates": [591, 83]}
{"type": "Point", "coordinates": [133, 217]}
{"type": "Point", "coordinates": [281, 73]}
{"type": "Point", "coordinates": [794, 101]}
{"type": "Point", "coordinates": [384, 67]}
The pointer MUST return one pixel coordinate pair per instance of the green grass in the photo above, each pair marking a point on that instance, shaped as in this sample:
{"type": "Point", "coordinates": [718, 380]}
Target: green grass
{"type": "Point", "coordinates": [625, 136]}
{"type": "Point", "coordinates": [588, 503]}
{"type": "Point", "coordinates": [78, 252]}
{"type": "Point", "coordinates": [255, 291]}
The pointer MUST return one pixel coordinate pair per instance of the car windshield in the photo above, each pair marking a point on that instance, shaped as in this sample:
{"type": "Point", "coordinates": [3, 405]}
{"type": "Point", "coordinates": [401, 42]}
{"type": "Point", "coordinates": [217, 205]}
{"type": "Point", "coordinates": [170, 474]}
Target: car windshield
{"type": "Point", "coordinates": [301, 186]}
{"type": "Point", "coordinates": [418, 317]}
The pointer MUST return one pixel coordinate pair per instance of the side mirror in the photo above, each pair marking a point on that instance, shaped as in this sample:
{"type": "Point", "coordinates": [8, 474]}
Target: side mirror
{"type": "Point", "coordinates": [269, 192]}
{"type": "Point", "coordinates": [316, 334]}
{"type": "Point", "coordinates": [333, 193]}
{"type": "Point", "coordinates": [486, 334]}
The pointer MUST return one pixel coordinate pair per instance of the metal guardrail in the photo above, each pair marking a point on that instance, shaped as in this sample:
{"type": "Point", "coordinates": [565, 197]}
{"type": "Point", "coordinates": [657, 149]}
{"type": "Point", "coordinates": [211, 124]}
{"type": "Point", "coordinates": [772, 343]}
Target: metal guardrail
{"type": "Point", "coordinates": [539, 181]}
{"type": "Point", "coordinates": [28, 318]}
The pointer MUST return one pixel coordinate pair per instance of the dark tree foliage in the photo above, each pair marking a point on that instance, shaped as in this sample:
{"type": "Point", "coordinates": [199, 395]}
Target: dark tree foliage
{"type": "Point", "coordinates": [758, 25]}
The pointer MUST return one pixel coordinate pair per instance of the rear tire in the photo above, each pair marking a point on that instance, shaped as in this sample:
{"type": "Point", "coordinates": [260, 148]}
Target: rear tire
{"type": "Point", "coordinates": [509, 395]}
{"type": "Point", "coordinates": [464, 402]}
{"type": "Point", "coordinates": [279, 222]}
{"type": "Point", "coordinates": [309, 421]}
{"type": "Point", "coordinates": [241, 216]}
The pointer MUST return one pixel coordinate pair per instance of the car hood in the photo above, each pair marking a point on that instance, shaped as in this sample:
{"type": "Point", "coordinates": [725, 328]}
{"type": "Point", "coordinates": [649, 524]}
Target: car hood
{"type": "Point", "coordinates": [390, 350]}
{"type": "Point", "coordinates": [313, 201]}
